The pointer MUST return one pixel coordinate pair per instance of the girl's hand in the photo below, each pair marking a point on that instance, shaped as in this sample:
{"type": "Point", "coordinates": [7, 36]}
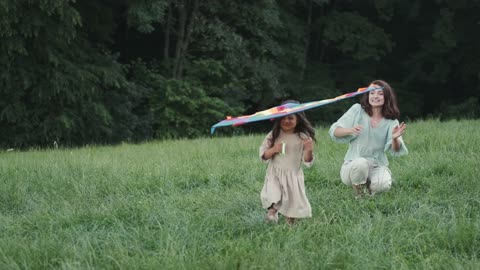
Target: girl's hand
{"type": "Point", "coordinates": [308, 144]}
{"type": "Point", "coordinates": [270, 152]}
{"type": "Point", "coordinates": [277, 148]}
{"type": "Point", "coordinates": [356, 130]}
{"type": "Point", "coordinates": [398, 130]}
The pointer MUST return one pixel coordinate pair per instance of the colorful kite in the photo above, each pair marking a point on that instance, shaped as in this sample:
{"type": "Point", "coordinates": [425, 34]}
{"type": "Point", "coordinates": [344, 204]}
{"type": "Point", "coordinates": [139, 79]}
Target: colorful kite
{"type": "Point", "coordinates": [286, 109]}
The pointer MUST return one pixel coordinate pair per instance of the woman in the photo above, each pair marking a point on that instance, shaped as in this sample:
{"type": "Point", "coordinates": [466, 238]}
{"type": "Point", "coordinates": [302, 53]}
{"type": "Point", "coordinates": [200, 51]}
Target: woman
{"type": "Point", "coordinates": [371, 128]}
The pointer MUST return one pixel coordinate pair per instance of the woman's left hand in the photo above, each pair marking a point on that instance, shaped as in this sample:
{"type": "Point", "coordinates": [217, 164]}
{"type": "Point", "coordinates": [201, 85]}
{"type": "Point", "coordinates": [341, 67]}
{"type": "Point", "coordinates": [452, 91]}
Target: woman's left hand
{"type": "Point", "coordinates": [399, 130]}
{"type": "Point", "coordinates": [308, 144]}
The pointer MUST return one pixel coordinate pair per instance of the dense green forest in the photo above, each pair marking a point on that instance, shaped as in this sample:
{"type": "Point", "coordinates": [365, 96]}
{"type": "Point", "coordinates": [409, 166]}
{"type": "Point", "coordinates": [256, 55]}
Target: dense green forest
{"type": "Point", "coordinates": [106, 71]}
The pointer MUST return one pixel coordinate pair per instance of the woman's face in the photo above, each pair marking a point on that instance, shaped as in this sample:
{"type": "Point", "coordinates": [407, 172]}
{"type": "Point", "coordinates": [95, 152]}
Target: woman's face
{"type": "Point", "coordinates": [288, 123]}
{"type": "Point", "coordinates": [375, 97]}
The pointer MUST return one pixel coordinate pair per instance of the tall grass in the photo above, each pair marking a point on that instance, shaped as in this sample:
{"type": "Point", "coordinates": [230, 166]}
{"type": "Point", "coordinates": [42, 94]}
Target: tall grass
{"type": "Point", "coordinates": [194, 204]}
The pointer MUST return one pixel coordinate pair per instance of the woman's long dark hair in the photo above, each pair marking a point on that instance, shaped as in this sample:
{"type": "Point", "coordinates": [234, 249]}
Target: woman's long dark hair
{"type": "Point", "coordinates": [390, 108]}
{"type": "Point", "coordinates": [303, 126]}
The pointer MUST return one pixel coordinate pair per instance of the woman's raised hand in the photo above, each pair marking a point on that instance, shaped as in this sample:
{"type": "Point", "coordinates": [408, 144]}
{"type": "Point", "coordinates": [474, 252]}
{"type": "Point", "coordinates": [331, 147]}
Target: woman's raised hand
{"type": "Point", "coordinates": [398, 130]}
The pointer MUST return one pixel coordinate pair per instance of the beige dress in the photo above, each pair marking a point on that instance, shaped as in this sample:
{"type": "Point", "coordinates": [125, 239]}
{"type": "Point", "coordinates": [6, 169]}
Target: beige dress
{"type": "Point", "coordinates": [284, 185]}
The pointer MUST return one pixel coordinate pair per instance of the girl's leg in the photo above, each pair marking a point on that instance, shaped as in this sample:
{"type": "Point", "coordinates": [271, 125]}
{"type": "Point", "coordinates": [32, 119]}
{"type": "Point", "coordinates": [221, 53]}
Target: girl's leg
{"type": "Point", "coordinates": [355, 173]}
{"type": "Point", "coordinates": [290, 220]}
{"type": "Point", "coordinates": [380, 179]}
{"type": "Point", "coordinates": [272, 214]}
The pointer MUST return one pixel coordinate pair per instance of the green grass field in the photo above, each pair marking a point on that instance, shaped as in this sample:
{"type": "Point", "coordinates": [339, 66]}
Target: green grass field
{"type": "Point", "coordinates": [194, 204]}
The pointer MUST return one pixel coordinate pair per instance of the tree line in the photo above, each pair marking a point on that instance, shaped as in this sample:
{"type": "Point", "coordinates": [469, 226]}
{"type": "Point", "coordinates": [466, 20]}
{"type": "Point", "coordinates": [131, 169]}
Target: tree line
{"type": "Point", "coordinates": [106, 71]}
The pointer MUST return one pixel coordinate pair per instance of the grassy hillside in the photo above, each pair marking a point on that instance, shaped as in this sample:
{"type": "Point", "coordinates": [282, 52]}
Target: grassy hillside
{"type": "Point", "coordinates": [194, 204]}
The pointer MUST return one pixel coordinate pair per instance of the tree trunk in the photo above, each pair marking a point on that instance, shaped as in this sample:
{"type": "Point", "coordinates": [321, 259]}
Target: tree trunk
{"type": "Point", "coordinates": [182, 20]}
{"type": "Point", "coordinates": [188, 36]}
{"type": "Point", "coordinates": [166, 46]}
{"type": "Point", "coordinates": [186, 24]}
{"type": "Point", "coordinates": [307, 40]}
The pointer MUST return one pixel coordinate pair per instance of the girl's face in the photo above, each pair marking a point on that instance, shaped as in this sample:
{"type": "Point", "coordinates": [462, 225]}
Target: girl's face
{"type": "Point", "coordinates": [375, 97]}
{"type": "Point", "coordinates": [288, 123]}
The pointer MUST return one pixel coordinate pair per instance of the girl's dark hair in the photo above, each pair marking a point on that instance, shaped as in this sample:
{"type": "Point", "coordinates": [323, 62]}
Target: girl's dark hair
{"type": "Point", "coordinates": [390, 108]}
{"type": "Point", "coordinates": [303, 125]}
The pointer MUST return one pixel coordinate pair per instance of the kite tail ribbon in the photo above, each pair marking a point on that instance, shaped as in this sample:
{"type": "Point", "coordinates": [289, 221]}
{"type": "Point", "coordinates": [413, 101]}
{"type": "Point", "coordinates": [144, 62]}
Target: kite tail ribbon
{"type": "Point", "coordinates": [286, 109]}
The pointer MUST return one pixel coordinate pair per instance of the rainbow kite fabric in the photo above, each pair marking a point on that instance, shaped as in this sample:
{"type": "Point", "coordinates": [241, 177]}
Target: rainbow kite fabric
{"type": "Point", "coordinates": [286, 109]}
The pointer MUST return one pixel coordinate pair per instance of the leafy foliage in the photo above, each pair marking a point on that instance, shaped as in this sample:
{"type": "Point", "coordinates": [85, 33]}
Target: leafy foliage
{"type": "Point", "coordinates": [57, 86]}
{"type": "Point", "coordinates": [182, 109]}
{"type": "Point", "coordinates": [354, 35]}
{"type": "Point", "coordinates": [144, 14]}
{"type": "Point", "coordinates": [79, 72]}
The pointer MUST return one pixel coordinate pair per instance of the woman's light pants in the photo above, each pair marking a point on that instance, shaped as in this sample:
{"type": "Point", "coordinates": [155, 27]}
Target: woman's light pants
{"type": "Point", "coordinates": [357, 171]}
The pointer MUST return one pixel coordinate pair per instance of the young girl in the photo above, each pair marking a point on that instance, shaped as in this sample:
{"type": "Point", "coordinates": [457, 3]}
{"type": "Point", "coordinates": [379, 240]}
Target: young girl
{"type": "Point", "coordinates": [370, 128]}
{"type": "Point", "coordinates": [285, 148]}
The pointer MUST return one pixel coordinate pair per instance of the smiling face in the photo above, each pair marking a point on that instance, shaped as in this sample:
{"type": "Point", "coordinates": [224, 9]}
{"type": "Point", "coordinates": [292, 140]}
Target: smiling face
{"type": "Point", "coordinates": [385, 100]}
{"type": "Point", "coordinates": [375, 97]}
{"type": "Point", "coordinates": [288, 123]}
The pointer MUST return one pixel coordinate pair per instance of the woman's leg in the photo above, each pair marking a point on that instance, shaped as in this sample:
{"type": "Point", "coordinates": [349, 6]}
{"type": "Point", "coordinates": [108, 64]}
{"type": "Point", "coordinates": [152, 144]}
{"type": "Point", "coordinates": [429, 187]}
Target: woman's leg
{"type": "Point", "coordinates": [380, 179]}
{"type": "Point", "coordinates": [355, 173]}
